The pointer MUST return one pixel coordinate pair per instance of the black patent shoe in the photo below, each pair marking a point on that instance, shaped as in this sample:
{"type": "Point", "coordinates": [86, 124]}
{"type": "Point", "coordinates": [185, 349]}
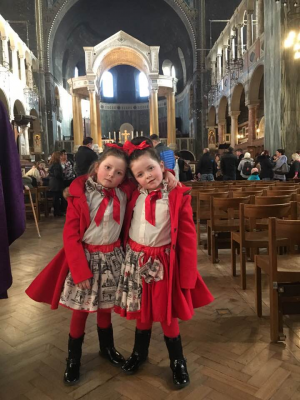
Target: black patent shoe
{"type": "Point", "coordinates": [112, 355]}
{"type": "Point", "coordinates": [72, 372]}
{"type": "Point", "coordinates": [181, 377]}
{"type": "Point", "coordinates": [133, 363]}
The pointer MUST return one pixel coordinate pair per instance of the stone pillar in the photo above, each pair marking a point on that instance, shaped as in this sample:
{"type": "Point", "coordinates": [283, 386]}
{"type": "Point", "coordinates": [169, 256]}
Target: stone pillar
{"type": "Point", "coordinates": [260, 18]}
{"type": "Point", "coordinates": [225, 59]}
{"type": "Point", "coordinates": [171, 118]}
{"type": "Point", "coordinates": [93, 118]}
{"type": "Point", "coordinates": [24, 131]}
{"type": "Point", "coordinates": [219, 67]}
{"type": "Point", "coordinates": [234, 127]}
{"type": "Point", "coordinates": [15, 66]}
{"type": "Point", "coordinates": [77, 122]}
{"type": "Point", "coordinates": [150, 115]}
{"type": "Point", "coordinates": [5, 50]}
{"type": "Point", "coordinates": [29, 76]}
{"type": "Point", "coordinates": [221, 131]}
{"type": "Point", "coordinates": [239, 41]}
{"type": "Point", "coordinates": [282, 117]}
{"type": "Point", "coordinates": [249, 28]}
{"type": "Point", "coordinates": [99, 127]}
{"type": "Point", "coordinates": [154, 111]}
{"type": "Point", "coordinates": [213, 73]}
{"type": "Point", "coordinates": [22, 69]}
{"type": "Point", "coordinates": [252, 112]}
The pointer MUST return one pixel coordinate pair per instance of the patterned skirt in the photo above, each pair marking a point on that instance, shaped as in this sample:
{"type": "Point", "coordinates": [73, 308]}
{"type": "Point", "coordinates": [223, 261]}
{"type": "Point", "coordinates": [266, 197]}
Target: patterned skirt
{"type": "Point", "coordinates": [105, 262]}
{"type": "Point", "coordinates": [143, 286]}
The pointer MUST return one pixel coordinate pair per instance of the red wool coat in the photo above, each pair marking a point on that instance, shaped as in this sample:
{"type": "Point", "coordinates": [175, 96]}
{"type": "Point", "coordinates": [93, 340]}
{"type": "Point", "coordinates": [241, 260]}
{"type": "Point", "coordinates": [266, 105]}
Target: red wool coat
{"type": "Point", "coordinates": [184, 278]}
{"type": "Point", "coordinates": [47, 286]}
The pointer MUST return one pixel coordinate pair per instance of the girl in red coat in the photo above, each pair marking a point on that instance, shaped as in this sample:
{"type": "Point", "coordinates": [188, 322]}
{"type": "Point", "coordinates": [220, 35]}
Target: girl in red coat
{"type": "Point", "coordinates": [159, 280]}
{"type": "Point", "coordinates": [84, 275]}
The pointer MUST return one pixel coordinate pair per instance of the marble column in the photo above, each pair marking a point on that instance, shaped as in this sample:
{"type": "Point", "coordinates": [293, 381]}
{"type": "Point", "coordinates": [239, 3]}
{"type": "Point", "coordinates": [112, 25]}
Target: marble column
{"type": "Point", "coordinates": [213, 73]}
{"type": "Point", "coordinates": [260, 18]}
{"type": "Point", "coordinates": [99, 127]}
{"type": "Point", "coordinates": [22, 69]}
{"type": "Point", "coordinates": [154, 110]}
{"type": "Point", "coordinates": [24, 131]}
{"type": "Point", "coordinates": [234, 127]}
{"type": "Point", "coordinates": [29, 79]}
{"type": "Point", "coordinates": [225, 59]}
{"type": "Point", "coordinates": [219, 67]}
{"type": "Point", "coordinates": [282, 102]}
{"type": "Point", "coordinates": [249, 28]}
{"type": "Point", "coordinates": [93, 118]}
{"type": "Point", "coordinates": [171, 118]}
{"type": "Point", "coordinates": [252, 113]}
{"type": "Point", "coordinates": [150, 115]}
{"type": "Point", "coordinates": [77, 122]}
{"type": "Point", "coordinates": [5, 51]}
{"type": "Point", "coordinates": [239, 41]}
{"type": "Point", "coordinates": [221, 131]}
{"type": "Point", "coordinates": [15, 67]}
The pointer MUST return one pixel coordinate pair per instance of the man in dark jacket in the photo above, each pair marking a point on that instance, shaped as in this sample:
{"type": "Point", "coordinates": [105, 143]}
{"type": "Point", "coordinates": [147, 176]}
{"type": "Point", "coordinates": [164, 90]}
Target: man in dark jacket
{"type": "Point", "coordinates": [229, 164]}
{"type": "Point", "coordinates": [166, 155]}
{"type": "Point", "coordinates": [239, 155]}
{"type": "Point", "coordinates": [85, 157]}
{"type": "Point", "coordinates": [206, 167]}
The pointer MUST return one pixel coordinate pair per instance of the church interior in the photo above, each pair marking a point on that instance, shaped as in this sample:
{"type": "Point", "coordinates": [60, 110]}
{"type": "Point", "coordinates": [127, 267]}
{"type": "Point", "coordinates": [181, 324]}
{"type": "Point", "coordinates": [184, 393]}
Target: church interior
{"type": "Point", "coordinates": [208, 77]}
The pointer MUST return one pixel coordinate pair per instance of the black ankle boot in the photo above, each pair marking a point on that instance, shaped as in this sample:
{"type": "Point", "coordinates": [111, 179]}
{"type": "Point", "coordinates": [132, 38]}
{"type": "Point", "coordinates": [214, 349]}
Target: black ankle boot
{"type": "Point", "coordinates": [177, 362]}
{"type": "Point", "coordinates": [107, 348]}
{"type": "Point", "coordinates": [140, 351]}
{"type": "Point", "coordinates": [72, 372]}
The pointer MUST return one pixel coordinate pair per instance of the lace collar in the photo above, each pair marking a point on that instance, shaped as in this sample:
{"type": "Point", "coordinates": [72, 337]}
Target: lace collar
{"type": "Point", "coordinates": [92, 186]}
{"type": "Point", "coordinates": [164, 189]}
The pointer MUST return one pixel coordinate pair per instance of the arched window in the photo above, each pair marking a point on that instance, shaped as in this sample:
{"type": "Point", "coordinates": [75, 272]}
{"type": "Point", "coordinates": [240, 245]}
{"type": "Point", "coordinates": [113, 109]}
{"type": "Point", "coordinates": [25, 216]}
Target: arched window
{"type": "Point", "coordinates": [173, 72]}
{"type": "Point", "coordinates": [143, 85]}
{"type": "Point", "coordinates": [107, 83]}
{"type": "Point", "coordinates": [76, 72]}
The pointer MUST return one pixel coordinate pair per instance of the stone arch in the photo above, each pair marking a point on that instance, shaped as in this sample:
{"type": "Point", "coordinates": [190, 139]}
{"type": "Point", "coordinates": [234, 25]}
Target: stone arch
{"type": "Point", "coordinates": [211, 116]}
{"type": "Point", "coordinates": [19, 108]}
{"type": "Point", "coordinates": [236, 97]}
{"type": "Point", "coordinates": [183, 64]}
{"type": "Point", "coordinates": [222, 108]}
{"type": "Point", "coordinates": [4, 100]}
{"type": "Point", "coordinates": [61, 7]}
{"type": "Point", "coordinates": [254, 85]}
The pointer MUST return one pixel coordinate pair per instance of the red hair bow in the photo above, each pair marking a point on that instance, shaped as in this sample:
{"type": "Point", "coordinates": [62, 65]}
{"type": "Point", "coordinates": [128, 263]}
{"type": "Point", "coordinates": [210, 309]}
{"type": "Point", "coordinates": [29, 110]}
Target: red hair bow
{"type": "Point", "coordinates": [114, 145]}
{"type": "Point", "coordinates": [130, 147]}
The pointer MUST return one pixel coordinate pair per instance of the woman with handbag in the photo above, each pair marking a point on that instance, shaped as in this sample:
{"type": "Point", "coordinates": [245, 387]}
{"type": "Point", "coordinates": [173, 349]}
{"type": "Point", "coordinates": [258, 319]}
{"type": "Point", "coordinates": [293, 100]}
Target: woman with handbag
{"type": "Point", "coordinates": [281, 167]}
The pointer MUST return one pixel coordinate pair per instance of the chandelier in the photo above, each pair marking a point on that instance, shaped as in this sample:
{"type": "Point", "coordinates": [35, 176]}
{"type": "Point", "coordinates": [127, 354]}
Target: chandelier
{"type": "Point", "coordinates": [292, 40]}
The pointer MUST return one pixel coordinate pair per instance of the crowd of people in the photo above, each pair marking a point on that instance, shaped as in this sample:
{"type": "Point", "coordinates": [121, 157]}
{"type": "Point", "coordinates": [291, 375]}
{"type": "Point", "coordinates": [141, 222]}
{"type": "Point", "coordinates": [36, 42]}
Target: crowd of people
{"type": "Point", "coordinates": [236, 165]}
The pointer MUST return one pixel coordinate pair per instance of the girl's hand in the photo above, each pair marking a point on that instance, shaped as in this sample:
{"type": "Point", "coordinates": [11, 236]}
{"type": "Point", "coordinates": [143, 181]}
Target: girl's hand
{"type": "Point", "coordinates": [84, 285]}
{"type": "Point", "coordinates": [171, 180]}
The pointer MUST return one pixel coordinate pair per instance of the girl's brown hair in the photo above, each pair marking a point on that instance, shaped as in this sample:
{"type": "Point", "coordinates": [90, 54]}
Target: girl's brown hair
{"type": "Point", "coordinates": [136, 154]}
{"type": "Point", "coordinates": [55, 158]}
{"type": "Point", "coordinates": [108, 151]}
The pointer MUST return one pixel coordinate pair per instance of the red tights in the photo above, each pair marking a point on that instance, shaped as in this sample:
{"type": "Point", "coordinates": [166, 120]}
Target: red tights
{"type": "Point", "coordinates": [170, 331]}
{"type": "Point", "coordinates": [78, 321]}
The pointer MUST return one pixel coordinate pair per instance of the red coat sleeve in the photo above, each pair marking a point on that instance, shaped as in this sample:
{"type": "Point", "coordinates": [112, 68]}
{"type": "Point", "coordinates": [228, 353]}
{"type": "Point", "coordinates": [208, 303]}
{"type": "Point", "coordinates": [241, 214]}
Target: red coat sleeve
{"type": "Point", "coordinates": [74, 251]}
{"type": "Point", "coordinates": [187, 245]}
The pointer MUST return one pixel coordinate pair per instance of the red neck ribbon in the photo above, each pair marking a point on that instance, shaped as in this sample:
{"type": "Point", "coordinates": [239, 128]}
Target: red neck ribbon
{"type": "Point", "coordinates": [130, 147]}
{"type": "Point", "coordinates": [109, 194]}
{"type": "Point", "coordinates": [150, 205]}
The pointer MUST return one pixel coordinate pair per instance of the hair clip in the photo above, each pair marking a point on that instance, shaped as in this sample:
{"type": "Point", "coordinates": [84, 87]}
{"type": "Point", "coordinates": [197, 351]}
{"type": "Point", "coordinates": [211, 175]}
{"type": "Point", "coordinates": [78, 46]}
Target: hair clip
{"type": "Point", "coordinates": [130, 147]}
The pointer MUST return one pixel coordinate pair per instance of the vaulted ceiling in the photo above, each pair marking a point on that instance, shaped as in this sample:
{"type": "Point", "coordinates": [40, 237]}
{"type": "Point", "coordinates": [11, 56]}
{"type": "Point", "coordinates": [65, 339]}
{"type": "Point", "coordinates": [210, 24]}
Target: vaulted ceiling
{"type": "Point", "coordinates": [88, 23]}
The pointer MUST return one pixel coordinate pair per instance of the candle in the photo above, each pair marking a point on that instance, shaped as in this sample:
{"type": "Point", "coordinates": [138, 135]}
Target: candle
{"type": "Point", "coordinates": [141, 133]}
{"type": "Point", "coordinates": [136, 133]}
{"type": "Point", "coordinates": [131, 134]}
{"type": "Point", "coordinates": [109, 135]}
{"type": "Point", "coordinates": [115, 139]}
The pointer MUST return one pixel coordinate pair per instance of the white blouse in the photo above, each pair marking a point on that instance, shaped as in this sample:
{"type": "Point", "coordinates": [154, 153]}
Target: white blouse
{"type": "Point", "coordinates": [109, 230]}
{"type": "Point", "coordinates": [144, 233]}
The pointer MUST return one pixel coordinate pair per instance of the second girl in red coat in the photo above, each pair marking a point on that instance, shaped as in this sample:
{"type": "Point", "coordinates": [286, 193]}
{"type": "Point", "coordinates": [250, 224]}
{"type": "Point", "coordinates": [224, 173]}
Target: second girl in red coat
{"type": "Point", "coordinates": [159, 280]}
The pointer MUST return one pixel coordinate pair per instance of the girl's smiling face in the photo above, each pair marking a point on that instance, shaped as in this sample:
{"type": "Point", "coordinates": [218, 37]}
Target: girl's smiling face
{"type": "Point", "coordinates": [111, 172]}
{"type": "Point", "coordinates": [148, 172]}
